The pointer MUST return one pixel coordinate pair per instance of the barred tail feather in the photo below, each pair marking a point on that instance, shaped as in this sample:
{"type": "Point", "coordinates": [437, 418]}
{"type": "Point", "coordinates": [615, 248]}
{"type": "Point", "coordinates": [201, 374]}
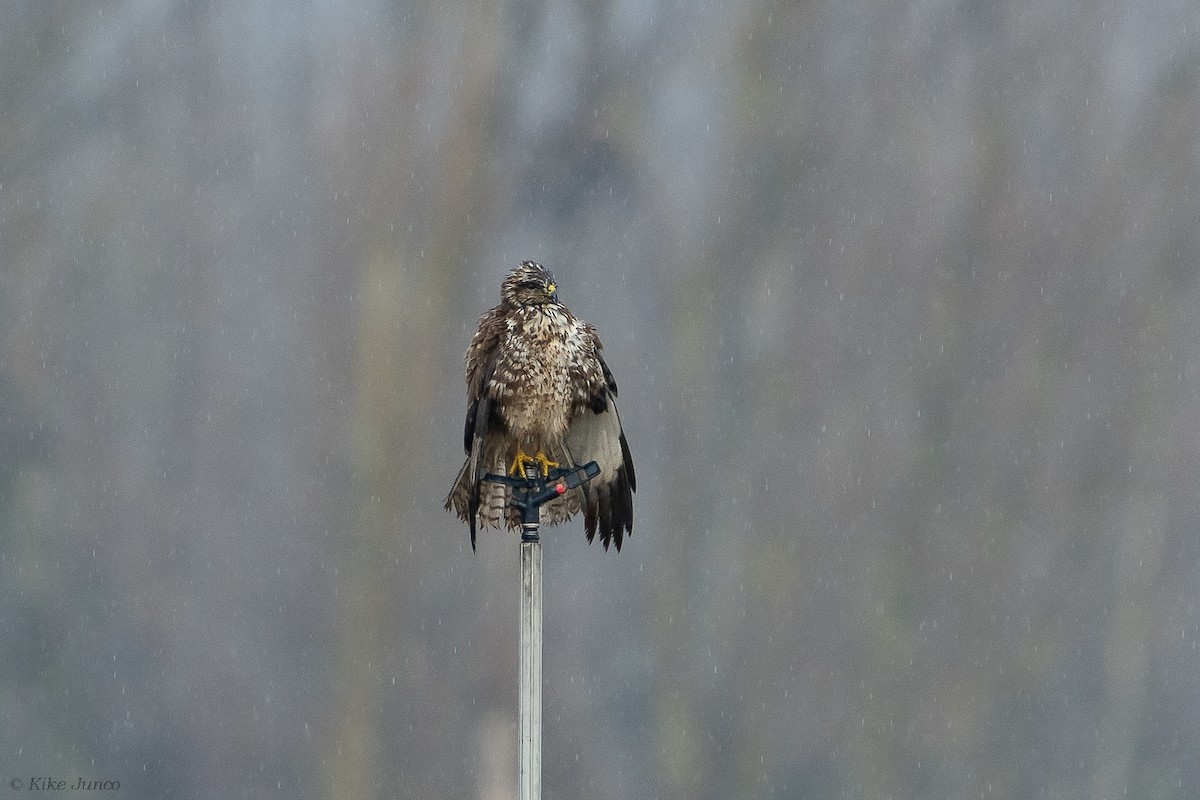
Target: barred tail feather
{"type": "Point", "coordinates": [478, 502]}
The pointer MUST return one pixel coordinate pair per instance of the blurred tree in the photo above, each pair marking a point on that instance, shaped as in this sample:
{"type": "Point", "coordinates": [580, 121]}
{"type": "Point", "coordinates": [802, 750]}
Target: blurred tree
{"type": "Point", "coordinates": [898, 297]}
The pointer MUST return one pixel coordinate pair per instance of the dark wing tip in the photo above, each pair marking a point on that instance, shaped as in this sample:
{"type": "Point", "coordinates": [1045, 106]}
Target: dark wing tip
{"type": "Point", "coordinates": [472, 503]}
{"type": "Point", "coordinates": [469, 425]}
{"type": "Point", "coordinates": [589, 513]}
{"type": "Point", "coordinates": [627, 468]}
{"type": "Point", "coordinates": [608, 510]}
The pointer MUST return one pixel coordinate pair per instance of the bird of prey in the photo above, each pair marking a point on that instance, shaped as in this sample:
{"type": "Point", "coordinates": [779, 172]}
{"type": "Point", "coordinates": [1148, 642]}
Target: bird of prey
{"type": "Point", "coordinates": [539, 392]}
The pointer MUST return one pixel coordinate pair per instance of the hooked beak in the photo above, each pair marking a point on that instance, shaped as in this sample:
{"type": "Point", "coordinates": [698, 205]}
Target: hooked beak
{"type": "Point", "coordinates": [552, 291]}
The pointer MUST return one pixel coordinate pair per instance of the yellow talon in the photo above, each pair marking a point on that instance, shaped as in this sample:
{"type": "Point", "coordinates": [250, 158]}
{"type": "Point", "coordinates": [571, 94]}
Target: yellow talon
{"type": "Point", "coordinates": [517, 470]}
{"type": "Point", "coordinates": [544, 463]}
{"type": "Point", "coordinates": [522, 460]}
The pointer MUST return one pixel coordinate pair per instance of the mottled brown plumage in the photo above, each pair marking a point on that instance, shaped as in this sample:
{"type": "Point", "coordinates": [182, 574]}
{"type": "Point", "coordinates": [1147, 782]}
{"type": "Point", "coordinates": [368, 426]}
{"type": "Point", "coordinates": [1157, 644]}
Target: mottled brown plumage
{"type": "Point", "coordinates": [536, 382]}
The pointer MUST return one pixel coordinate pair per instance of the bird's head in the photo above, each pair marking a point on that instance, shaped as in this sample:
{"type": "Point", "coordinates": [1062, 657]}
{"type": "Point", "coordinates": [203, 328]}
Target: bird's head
{"type": "Point", "coordinates": [530, 284]}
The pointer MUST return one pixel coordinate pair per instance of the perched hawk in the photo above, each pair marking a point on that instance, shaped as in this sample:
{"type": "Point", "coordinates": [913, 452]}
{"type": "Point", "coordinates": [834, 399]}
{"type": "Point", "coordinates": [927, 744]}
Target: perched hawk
{"type": "Point", "coordinates": [539, 392]}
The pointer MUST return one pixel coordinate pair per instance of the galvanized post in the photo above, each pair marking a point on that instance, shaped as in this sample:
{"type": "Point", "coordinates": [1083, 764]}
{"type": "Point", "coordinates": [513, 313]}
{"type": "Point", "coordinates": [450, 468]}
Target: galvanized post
{"type": "Point", "coordinates": [529, 707]}
{"type": "Point", "coordinates": [528, 495]}
{"type": "Point", "coordinates": [529, 704]}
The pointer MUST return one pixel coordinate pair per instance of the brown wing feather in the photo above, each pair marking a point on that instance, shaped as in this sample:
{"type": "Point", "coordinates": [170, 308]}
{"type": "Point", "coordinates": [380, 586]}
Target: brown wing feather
{"type": "Point", "coordinates": [481, 416]}
{"type": "Point", "coordinates": [596, 435]}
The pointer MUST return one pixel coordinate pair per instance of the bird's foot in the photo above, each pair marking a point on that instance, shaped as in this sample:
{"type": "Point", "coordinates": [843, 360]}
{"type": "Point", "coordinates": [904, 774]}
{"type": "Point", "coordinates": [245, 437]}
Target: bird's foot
{"type": "Point", "coordinates": [522, 460]}
{"type": "Point", "coordinates": [519, 462]}
{"type": "Point", "coordinates": [544, 463]}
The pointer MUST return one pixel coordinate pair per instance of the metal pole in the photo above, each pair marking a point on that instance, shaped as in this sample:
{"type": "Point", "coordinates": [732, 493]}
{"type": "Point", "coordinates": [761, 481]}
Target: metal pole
{"type": "Point", "coordinates": [528, 495]}
{"type": "Point", "coordinates": [529, 705]}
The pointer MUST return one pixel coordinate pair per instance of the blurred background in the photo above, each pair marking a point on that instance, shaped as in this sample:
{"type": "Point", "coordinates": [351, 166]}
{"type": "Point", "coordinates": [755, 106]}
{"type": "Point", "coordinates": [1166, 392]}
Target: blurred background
{"type": "Point", "coordinates": [900, 297]}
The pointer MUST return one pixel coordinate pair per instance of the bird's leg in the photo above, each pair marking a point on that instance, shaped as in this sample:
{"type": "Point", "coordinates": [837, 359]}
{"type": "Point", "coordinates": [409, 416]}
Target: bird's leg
{"type": "Point", "coordinates": [517, 470]}
{"type": "Point", "coordinates": [522, 459]}
{"type": "Point", "coordinates": [544, 463]}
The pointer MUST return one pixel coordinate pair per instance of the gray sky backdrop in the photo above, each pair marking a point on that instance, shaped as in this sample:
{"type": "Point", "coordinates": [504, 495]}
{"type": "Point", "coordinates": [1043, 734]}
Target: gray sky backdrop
{"type": "Point", "coordinates": [900, 296]}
